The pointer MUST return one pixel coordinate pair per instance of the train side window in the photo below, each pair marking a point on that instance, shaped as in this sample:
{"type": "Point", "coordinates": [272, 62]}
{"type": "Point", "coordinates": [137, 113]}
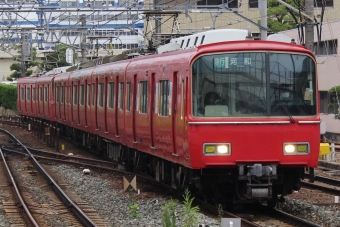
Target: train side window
{"type": "Point", "coordinates": [40, 94]}
{"type": "Point", "coordinates": [93, 93]}
{"type": "Point", "coordinates": [28, 94]}
{"type": "Point", "coordinates": [88, 95]}
{"type": "Point", "coordinates": [110, 100]}
{"type": "Point", "coordinates": [57, 96]}
{"type": "Point", "coordinates": [45, 94]}
{"type": "Point", "coordinates": [101, 94]}
{"type": "Point", "coordinates": [22, 93]}
{"type": "Point", "coordinates": [82, 94]}
{"type": "Point", "coordinates": [164, 97]}
{"type": "Point", "coordinates": [33, 94]}
{"type": "Point", "coordinates": [62, 94]}
{"type": "Point", "coordinates": [75, 94]}
{"type": "Point", "coordinates": [188, 42]}
{"type": "Point", "coordinates": [128, 96]}
{"type": "Point", "coordinates": [143, 96]}
{"type": "Point", "coordinates": [121, 96]}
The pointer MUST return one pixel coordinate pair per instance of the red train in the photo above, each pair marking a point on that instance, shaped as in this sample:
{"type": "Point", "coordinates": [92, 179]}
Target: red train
{"type": "Point", "coordinates": [236, 119]}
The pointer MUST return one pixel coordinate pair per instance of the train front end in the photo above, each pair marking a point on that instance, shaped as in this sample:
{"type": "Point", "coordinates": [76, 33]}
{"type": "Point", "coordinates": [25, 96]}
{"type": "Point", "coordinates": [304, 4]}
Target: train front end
{"type": "Point", "coordinates": [255, 125]}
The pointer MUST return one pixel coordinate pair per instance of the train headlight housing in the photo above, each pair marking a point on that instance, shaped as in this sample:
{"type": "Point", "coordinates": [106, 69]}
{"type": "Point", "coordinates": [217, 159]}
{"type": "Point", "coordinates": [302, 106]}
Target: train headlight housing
{"type": "Point", "coordinates": [296, 148]}
{"type": "Point", "coordinates": [216, 149]}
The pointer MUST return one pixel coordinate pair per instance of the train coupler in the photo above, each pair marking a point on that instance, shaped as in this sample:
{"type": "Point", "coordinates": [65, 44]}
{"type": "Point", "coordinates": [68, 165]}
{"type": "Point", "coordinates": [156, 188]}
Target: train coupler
{"type": "Point", "coordinates": [259, 180]}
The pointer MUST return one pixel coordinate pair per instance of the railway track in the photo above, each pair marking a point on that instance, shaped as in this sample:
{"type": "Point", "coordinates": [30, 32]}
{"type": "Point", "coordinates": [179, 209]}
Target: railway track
{"type": "Point", "coordinates": [145, 180]}
{"type": "Point", "coordinates": [52, 157]}
{"type": "Point", "coordinates": [44, 201]}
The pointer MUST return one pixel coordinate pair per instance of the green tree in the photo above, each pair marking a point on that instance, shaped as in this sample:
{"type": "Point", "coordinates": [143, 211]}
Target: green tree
{"type": "Point", "coordinates": [279, 17]}
{"type": "Point", "coordinates": [57, 58]}
{"type": "Point", "coordinates": [16, 67]}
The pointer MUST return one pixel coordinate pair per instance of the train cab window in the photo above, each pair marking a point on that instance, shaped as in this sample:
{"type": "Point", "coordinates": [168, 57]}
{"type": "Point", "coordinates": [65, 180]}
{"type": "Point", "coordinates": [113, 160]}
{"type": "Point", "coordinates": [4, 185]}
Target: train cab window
{"type": "Point", "coordinates": [82, 95]}
{"type": "Point", "coordinates": [45, 94]}
{"type": "Point", "coordinates": [164, 91]}
{"type": "Point", "coordinates": [88, 95]}
{"type": "Point", "coordinates": [143, 97]}
{"type": "Point", "coordinates": [128, 96]}
{"type": "Point", "coordinates": [121, 96]}
{"type": "Point", "coordinates": [28, 94]}
{"type": "Point", "coordinates": [75, 94]}
{"type": "Point", "coordinates": [110, 100]}
{"type": "Point", "coordinates": [22, 93]}
{"type": "Point", "coordinates": [254, 84]}
{"type": "Point", "coordinates": [101, 94]}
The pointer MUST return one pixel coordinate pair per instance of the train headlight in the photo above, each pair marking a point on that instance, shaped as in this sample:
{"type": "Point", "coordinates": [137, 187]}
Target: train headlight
{"type": "Point", "coordinates": [216, 149]}
{"type": "Point", "coordinates": [296, 148]}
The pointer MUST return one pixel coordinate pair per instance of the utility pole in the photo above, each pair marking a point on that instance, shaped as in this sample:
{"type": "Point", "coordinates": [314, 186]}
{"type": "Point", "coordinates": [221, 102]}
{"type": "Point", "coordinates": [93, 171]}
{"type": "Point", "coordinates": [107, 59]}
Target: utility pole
{"type": "Point", "coordinates": [83, 45]}
{"type": "Point", "coordinates": [309, 6]}
{"type": "Point", "coordinates": [264, 19]}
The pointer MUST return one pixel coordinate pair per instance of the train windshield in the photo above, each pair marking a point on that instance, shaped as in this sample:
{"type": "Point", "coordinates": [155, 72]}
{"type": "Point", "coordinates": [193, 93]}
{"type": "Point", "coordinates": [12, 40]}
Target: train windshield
{"type": "Point", "coordinates": [254, 84]}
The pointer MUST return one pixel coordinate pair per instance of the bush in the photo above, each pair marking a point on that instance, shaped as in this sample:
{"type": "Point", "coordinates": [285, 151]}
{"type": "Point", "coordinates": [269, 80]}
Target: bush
{"type": "Point", "coordinates": [8, 96]}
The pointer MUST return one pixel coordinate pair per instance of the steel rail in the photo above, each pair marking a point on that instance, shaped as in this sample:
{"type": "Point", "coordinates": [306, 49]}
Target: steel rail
{"type": "Point", "coordinates": [17, 193]}
{"type": "Point", "coordinates": [83, 218]}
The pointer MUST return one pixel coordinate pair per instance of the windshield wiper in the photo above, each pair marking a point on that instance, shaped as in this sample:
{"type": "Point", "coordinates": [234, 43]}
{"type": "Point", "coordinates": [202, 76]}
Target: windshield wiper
{"type": "Point", "coordinates": [288, 114]}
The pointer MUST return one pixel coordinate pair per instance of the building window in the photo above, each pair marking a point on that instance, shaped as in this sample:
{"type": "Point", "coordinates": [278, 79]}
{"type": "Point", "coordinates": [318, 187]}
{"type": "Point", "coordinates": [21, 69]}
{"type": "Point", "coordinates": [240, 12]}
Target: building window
{"type": "Point", "coordinates": [128, 96]}
{"type": "Point", "coordinates": [327, 3]}
{"type": "Point", "coordinates": [101, 94]}
{"type": "Point", "coordinates": [143, 96]}
{"type": "Point", "coordinates": [254, 4]}
{"type": "Point", "coordinates": [227, 3]}
{"type": "Point", "coordinates": [110, 95]}
{"type": "Point", "coordinates": [164, 97]}
{"type": "Point", "coordinates": [327, 47]}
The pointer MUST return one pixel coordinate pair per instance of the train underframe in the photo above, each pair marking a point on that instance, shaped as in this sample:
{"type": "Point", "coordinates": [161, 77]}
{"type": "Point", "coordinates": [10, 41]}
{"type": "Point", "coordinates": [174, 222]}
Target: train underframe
{"type": "Point", "coordinates": [220, 185]}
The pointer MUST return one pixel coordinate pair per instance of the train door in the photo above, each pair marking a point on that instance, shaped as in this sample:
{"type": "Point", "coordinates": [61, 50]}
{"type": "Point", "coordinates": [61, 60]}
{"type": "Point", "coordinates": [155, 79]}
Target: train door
{"type": "Point", "coordinates": [31, 100]}
{"type": "Point", "coordinates": [79, 98]}
{"type": "Point", "coordinates": [25, 98]}
{"type": "Point", "coordinates": [105, 103]}
{"type": "Point", "coordinates": [87, 101]}
{"type": "Point", "coordinates": [63, 100]}
{"type": "Point", "coordinates": [96, 102]}
{"type": "Point", "coordinates": [174, 112]}
{"type": "Point", "coordinates": [134, 104]}
{"type": "Point", "coordinates": [152, 112]}
{"type": "Point", "coordinates": [116, 90]}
